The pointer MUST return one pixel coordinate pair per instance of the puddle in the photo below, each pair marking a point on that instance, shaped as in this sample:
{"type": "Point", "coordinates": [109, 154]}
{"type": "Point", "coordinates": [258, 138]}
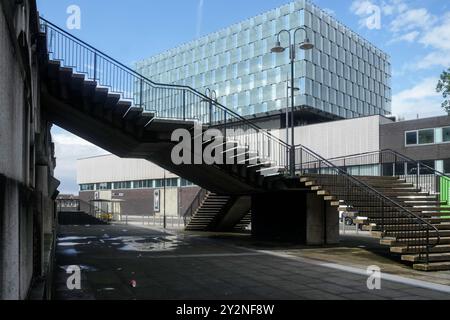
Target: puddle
{"type": "Point", "coordinates": [75, 238]}
{"type": "Point", "coordinates": [73, 244]}
{"type": "Point", "coordinates": [106, 289]}
{"type": "Point", "coordinates": [84, 268]}
{"type": "Point", "coordinates": [143, 244]}
{"type": "Point", "coordinates": [70, 252]}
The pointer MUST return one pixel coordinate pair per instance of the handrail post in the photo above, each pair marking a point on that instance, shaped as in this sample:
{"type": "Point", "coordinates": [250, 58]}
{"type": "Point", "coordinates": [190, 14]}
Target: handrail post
{"type": "Point", "coordinates": [95, 66]}
{"type": "Point", "coordinates": [417, 175]}
{"type": "Point", "coordinates": [141, 94]}
{"type": "Point", "coordinates": [210, 112]}
{"type": "Point", "coordinates": [292, 162]}
{"type": "Point", "coordinates": [184, 104]}
{"type": "Point", "coordinates": [395, 167]}
{"type": "Point", "coordinates": [301, 160]}
{"type": "Point", "coordinates": [225, 126]}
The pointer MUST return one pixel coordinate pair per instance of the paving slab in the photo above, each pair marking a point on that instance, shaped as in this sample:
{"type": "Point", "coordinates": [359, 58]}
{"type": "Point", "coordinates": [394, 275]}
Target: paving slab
{"type": "Point", "coordinates": [191, 267]}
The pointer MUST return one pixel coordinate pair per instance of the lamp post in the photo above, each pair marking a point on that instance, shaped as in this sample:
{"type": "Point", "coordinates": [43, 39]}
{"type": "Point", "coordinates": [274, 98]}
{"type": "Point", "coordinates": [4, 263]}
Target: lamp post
{"type": "Point", "coordinates": [287, 106]}
{"type": "Point", "coordinates": [164, 194]}
{"type": "Point", "coordinates": [305, 45]}
{"type": "Point", "coordinates": [212, 98]}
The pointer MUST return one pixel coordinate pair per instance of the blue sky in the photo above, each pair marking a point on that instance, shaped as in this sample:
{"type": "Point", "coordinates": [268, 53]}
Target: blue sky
{"type": "Point", "coordinates": [415, 33]}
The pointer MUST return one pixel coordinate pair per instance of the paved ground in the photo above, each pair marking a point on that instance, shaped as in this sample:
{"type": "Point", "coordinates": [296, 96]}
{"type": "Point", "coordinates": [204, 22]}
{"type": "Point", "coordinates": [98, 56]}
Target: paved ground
{"type": "Point", "coordinates": [185, 266]}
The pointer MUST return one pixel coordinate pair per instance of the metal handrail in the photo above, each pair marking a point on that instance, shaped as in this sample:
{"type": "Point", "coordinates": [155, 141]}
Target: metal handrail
{"type": "Point", "coordinates": [364, 186]}
{"type": "Point", "coordinates": [168, 101]}
{"type": "Point", "coordinates": [423, 165]}
{"type": "Point", "coordinates": [195, 204]}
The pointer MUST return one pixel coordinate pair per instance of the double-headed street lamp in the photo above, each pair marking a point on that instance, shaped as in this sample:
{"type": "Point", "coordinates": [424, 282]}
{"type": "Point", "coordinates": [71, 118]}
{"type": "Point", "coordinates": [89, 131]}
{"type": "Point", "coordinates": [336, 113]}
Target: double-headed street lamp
{"type": "Point", "coordinates": [212, 99]}
{"type": "Point", "coordinates": [305, 45]}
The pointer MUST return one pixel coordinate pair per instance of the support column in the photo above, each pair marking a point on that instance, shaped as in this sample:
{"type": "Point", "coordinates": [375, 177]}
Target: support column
{"type": "Point", "coordinates": [296, 216]}
{"type": "Point", "coordinates": [279, 216]}
{"type": "Point", "coordinates": [322, 221]}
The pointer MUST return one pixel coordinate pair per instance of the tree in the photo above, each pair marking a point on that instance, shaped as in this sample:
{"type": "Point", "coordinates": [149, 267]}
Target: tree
{"type": "Point", "coordinates": [444, 88]}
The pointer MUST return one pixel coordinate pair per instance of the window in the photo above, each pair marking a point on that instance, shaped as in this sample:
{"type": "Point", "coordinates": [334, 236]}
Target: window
{"type": "Point", "coordinates": [426, 136]}
{"type": "Point", "coordinates": [186, 183]}
{"type": "Point", "coordinates": [87, 187]}
{"type": "Point", "coordinates": [173, 182]}
{"type": "Point", "coordinates": [122, 185]}
{"type": "Point", "coordinates": [411, 138]}
{"type": "Point", "coordinates": [446, 134]}
{"type": "Point", "coordinates": [103, 186]}
{"type": "Point", "coordinates": [447, 166]}
{"type": "Point", "coordinates": [143, 184]}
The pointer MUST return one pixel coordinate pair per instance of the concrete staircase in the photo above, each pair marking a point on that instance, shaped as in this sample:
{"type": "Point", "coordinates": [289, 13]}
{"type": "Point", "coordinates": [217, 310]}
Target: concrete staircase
{"type": "Point", "coordinates": [401, 233]}
{"type": "Point", "coordinates": [101, 117]}
{"type": "Point", "coordinates": [218, 212]}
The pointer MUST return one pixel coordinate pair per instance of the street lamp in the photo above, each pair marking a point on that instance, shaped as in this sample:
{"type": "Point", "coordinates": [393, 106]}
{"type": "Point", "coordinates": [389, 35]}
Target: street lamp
{"type": "Point", "coordinates": [278, 48]}
{"type": "Point", "coordinates": [288, 87]}
{"type": "Point", "coordinates": [211, 99]}
{"type": "Point", "coordinates": [164, 195]}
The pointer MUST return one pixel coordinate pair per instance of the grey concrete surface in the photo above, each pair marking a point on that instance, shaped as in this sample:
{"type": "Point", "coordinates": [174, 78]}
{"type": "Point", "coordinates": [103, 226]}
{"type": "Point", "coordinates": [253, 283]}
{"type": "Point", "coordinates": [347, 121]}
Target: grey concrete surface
{"type": "Point", "coordinates": [182, 266]}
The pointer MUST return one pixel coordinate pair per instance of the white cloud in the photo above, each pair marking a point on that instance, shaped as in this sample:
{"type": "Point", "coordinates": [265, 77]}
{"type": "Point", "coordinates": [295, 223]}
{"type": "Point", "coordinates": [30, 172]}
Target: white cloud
{"type": "Point", "coordinates": [369, 12]}
{"type": "Point", "coordinates": [408, 37]}
{"type": "Point", "coordinates": [439, 36]}
{"type": "Point", "coordinates": [422, 100]}
{"type": "Point", "coordinates": [412, 19]}
{"type": "Point", "coordinates": [393, 7]}
{"type": "Point", "coordinates": [69, 148]}
{"type": "Point", "coordinates": [433, 59]}
{"type": "Point", "coordinates": [437, 40]}
{"type": "Point", "coordinates": [361, 7]}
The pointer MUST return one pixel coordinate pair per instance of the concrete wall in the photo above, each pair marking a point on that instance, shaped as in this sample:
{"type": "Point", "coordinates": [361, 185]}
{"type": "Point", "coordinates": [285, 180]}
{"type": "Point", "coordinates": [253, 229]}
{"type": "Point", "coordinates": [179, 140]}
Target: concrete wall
{"type": "Point", "coordinates": [27, 186]}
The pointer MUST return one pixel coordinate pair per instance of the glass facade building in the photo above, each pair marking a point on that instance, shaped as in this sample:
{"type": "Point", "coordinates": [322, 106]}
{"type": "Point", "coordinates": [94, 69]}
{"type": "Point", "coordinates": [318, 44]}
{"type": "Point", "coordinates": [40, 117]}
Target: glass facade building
{"type": "Point", "coordinates": [343, 75]}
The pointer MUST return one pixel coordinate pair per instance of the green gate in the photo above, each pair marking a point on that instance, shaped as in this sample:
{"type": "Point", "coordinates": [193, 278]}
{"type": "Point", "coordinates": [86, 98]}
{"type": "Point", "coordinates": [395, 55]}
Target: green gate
{"type": "Point", "coordinates": [445, 190]}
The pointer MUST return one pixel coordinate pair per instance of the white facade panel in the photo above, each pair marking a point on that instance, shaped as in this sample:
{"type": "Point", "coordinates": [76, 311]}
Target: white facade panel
{"type": "Point", "coordinates": [111, 168]}
{"type": "Point", "coordinates": [339, 138]}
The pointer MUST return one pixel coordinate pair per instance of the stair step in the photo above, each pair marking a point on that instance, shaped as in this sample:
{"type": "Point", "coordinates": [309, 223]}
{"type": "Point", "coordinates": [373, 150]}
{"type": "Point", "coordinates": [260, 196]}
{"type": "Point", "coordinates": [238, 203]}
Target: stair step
{"type": "Point", "coordinates": [417, 249]}
{"type": "Point", "coordinates": [433, 266]}
{"type": "Point", "coordinates": [419, 234]}
{"type": "Point", "coordinates": [408, 227]}
{"type": "Point", "coordinates": [433, 257]}
{"type": "Point", "coordinates": [402, 220]}
{"type": "Point", "coordinates": [413, 242]}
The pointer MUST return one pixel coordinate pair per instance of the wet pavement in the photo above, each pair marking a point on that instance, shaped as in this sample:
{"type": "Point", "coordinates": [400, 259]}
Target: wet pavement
{"type": "Point", "coordinates": [127, 262]}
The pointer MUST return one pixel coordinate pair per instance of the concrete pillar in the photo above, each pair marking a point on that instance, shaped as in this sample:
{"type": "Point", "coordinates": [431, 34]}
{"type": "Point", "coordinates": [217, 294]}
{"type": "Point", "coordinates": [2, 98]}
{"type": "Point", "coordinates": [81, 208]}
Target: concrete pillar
{"type": "Point", "coordinates": [294, 216]}
{"type": "Point", "coordinates": [279, 216]}
{"type": "Point", "coordinates": [322, 221]}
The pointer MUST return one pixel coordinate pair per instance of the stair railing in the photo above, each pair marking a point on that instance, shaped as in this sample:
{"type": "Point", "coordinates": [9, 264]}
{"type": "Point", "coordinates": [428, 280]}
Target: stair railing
{"type": "Point", "coordinates": [388, 162]}
{"type": "Point", "coordinates": [94, 211]}
{"type": "Point", "coordinates": [166, 101]}
{"type": "Point", "coordinates": [390, 216]}
{"type": "Point", "coordinates": [195, 204]}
